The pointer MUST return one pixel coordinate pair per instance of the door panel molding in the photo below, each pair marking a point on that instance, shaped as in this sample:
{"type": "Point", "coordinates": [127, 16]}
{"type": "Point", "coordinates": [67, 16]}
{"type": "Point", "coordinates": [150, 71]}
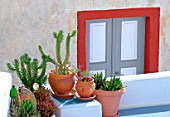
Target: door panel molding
{"type": "Point", "coordinates": [129, 44]}
{"type": "Point", "coordinates": [97, 42]}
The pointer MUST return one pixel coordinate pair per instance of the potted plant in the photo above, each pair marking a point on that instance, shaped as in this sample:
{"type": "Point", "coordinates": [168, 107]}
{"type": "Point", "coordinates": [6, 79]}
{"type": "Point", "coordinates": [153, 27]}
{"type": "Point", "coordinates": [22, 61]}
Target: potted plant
{"type": "Point", "coordinates": [60, 78]}
{"type": "Point", "coordinates": [85, 86]}
{"type": "Point", "coordinates": [108, 93]}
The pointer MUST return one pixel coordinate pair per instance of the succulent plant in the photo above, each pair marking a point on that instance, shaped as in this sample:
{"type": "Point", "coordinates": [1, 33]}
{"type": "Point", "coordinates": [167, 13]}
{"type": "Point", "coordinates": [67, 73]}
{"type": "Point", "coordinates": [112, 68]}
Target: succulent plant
{"type": "Point", "coordinates": [61, 66]}
{"type": "Point", "coordinates": [28, 71]}
{"type": "Point", "coordinates": [42, 94]}
{"type": "Point", "coordinates": [25, 109]}
{"type": "Point", "coordinates": [99, 80]}
{"type": "Point", "coordinates": [113, 84]}
{"type": "Point", "coordinates": [46, 108]}
{"type": "Point", "coordinates": [45, 105]}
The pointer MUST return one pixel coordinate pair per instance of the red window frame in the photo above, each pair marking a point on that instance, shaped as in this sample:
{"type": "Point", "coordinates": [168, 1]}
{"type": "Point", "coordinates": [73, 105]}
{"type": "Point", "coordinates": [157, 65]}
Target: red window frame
{"type": "Point", "coordinates": [151, 32]}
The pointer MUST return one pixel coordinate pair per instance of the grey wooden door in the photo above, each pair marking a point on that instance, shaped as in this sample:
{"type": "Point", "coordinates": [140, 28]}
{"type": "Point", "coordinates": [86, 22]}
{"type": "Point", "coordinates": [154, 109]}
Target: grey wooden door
{"type": "Point", "coordinates": [128, 46]}
{"type": "Point", "coordinates": [115, 46]}
{"type": "Point", "coordinates": [98, 44]}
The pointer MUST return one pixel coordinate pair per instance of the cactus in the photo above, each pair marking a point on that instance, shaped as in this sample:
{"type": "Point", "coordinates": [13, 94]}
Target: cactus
{"type": "Point", "coordinates": [45, 105]}
{"type": "Point", "coordinates": [61, 66]}
{"type": "Point", "coordinates": [102, 84]}
{"type": "Point", "coordinates": [42, 94]}
{"type": "Point", "coordinates": [46, 108]}
{"type": "Point", "coordinates": [28, 71]}
{"type": "Point", "coordinates": [25, 109]}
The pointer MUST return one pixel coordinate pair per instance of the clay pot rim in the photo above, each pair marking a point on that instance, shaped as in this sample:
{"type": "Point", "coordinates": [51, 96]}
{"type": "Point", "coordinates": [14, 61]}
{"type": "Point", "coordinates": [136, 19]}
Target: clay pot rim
{"type": "Point", "coordinates": [109, 93]}
{"type": "Point", "coordinates": [86, 82]}
{"type": "Point", "coordinates": [50, 72]}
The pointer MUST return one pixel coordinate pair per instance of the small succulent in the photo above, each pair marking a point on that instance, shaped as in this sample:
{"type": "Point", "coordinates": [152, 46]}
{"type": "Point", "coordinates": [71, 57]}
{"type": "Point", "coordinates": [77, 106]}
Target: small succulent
{"type": "Point", "coordinates": [25, 109]}
{"type": "Point", "coordinates": [99, 80]}
{"type": "Point", "coordinates": [45, 105]}
{"type": "Point", "coordinates": [46, 108]}
{"type": "Point", "coordinates": [113, 84]}
{"type": "Point", "coordinates": [42, 94]}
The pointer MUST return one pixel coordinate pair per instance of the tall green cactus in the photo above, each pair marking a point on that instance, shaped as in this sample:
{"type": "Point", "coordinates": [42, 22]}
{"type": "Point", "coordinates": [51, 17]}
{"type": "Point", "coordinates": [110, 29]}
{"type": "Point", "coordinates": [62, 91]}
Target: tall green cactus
{"type": "Point", "coordinates": [29, 71]}
{"type": "Point", "coordinates": [61, 66]}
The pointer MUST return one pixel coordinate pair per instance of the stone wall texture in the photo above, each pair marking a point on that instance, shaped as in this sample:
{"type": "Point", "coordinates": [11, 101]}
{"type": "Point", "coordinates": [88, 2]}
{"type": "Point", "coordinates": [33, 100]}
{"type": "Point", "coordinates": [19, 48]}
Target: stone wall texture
{"type": "Point", "coordinates": [25, 24]}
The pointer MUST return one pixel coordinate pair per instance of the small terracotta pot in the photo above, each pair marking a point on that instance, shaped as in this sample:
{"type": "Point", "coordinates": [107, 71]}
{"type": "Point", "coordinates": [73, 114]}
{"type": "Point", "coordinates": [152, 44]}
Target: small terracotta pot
{"type": "Point", "coordinates": [110, 101]}
{"type": "Point", "coordinates": [85, 89]}
{"type": "Point", "coordinates": [61, 83]}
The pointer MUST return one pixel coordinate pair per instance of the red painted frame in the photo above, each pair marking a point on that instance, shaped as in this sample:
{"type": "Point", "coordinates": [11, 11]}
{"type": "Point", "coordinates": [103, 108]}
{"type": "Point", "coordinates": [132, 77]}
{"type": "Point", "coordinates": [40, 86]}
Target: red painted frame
{"type": "Point", "coordinates": [151, 32]}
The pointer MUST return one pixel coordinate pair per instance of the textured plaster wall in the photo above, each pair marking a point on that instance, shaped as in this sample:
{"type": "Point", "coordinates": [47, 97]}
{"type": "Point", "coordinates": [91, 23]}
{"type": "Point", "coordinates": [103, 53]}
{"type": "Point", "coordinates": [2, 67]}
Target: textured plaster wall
{"type": "Point", "coordinates": [24, 24]}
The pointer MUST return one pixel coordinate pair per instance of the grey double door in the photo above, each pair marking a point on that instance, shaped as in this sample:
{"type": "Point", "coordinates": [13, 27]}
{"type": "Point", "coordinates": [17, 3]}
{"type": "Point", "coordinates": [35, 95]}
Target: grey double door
{"type": "Point", "coordinates": [115, 46]}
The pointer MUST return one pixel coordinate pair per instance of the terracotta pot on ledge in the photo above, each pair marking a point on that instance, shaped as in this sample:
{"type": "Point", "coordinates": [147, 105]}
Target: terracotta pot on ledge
{"type": "Point", "coordinates": [61, 84]}
{"type": "Point", "coordinates": [85, 89]}
{"type": "Point", "coordinates": [110, 101]}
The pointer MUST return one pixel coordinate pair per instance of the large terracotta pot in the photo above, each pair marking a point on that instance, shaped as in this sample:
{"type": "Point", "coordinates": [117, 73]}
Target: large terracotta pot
{"type": "Point", "coordinates": [110, 101]}
{"type": "Point", "coordinates": [85, 89]}
{"type": "Point", "coordinates": [61, 84]}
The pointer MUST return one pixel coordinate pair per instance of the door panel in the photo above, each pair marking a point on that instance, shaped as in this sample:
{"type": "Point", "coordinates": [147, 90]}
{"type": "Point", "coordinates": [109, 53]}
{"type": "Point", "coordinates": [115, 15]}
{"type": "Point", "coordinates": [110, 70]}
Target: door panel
{"type": "Point", "coordinates": [128, 49]}
{"type": "Point", "coordinates": [129, 45]}
{"type": "Point", "coordinates": [98, 44]}
{"type": "Point", "coordinates": [128, 71]}
{"type": "Point", "coordinates": [97, 40]}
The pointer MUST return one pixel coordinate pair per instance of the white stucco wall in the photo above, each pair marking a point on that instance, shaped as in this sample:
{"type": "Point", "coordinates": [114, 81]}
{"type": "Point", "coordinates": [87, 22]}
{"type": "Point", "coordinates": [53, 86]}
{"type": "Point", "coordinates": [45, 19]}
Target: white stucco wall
{"type": "Point", "coordinates": [24, 24]}
{"type": "Point", "coordinates": [145, 90]}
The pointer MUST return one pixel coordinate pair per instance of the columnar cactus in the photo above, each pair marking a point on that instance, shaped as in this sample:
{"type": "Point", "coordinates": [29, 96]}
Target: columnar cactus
{"type": "Point", "coordinates": [61, 66]}
{"type": "Point", "coordinates": [28, 71]}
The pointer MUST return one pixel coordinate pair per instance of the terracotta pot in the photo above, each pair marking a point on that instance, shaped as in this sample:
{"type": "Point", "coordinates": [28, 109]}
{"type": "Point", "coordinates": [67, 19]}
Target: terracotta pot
{"type": "Point", "coordinates": [61, 83]}
{"type": "Point", "coordinates": [85, 89]}
{"type": "Point", "coordinates": [110, 101]}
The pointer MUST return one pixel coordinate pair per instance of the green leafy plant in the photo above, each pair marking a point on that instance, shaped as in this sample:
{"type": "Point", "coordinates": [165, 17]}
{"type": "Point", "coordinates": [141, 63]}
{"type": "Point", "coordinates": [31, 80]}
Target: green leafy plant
{"type": "Point", "coordinates": [113, 84]}
{"type": "Point", "coordinates": [61, 66]}
{"type": "Point", "coordinates": [25, 109]}
{"type": "Point", "coordinates": [29, 70]}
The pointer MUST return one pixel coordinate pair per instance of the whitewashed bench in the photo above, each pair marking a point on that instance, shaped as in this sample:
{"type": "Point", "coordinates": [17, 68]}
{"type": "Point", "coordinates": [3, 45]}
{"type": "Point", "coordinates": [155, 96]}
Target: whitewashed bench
{"type": "Point", "coordinates": [76, 108]}
{"type": "Point", "coordinates": [5, 86]}
{"type": "Point", "coordinates": [146, 90]}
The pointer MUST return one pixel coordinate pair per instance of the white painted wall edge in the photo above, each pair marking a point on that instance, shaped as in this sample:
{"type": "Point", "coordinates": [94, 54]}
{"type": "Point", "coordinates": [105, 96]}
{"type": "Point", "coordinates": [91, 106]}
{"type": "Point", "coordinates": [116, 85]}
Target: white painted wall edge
{"type": "Point", "coordinates": [5, 86]}
{"type": "Point", "coordinates": [145, 90]}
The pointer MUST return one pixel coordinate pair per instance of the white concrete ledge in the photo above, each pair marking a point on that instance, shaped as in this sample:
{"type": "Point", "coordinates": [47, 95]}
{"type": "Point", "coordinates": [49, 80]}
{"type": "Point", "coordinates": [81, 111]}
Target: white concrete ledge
{"type": "Point", "coordinates": [5, 86]}
{"type": "Point", "coordinates": [145, 90]}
